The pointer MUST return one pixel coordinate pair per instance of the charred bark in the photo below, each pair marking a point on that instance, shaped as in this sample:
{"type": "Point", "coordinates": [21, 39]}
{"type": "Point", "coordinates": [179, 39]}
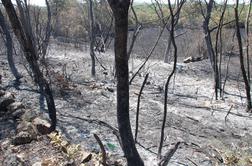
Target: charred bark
{"type": "Point", "coordinates": [243, 70]}
{"type": "Point", "coordinates": [169, 78]}
{"type": "Point", "coordinates": [120, 10]}
{"type": "Point", "coordinates": [211, 54]}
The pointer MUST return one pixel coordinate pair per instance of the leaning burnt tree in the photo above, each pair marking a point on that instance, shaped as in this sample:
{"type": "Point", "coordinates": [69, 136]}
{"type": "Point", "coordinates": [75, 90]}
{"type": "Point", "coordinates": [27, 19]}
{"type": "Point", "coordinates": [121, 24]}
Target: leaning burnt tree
{"type": "Point", "coordinates": [243, 70]}
{"type": "Point", "coordinates": [23, 31]}
{"type": "Point", "coordinates": [9, 45]}
{"type": "Point", "coordinates": [120, 11]}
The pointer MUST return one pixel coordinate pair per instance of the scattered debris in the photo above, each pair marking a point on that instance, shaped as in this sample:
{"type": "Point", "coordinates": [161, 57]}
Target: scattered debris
{"type": "Point", "coordinates": [193, 59]}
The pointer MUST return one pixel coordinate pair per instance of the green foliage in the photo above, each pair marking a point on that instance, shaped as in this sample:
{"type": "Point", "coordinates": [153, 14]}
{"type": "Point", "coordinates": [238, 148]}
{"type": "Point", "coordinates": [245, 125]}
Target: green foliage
{"type": "Point", "coordinates": [111, 146]}
{"type": "Point", "coordinates": [190, 13]}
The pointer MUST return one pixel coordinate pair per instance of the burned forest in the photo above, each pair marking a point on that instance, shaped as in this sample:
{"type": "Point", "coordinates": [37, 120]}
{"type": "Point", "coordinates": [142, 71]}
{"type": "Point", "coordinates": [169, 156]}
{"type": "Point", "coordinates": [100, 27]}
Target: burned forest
{"type": "Point", "coordinates": [125, 83]}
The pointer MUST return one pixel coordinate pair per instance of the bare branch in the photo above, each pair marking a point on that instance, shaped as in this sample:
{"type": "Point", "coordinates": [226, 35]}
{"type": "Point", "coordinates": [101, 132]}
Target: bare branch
{"type": "Point", "coordinates": [149, 55]}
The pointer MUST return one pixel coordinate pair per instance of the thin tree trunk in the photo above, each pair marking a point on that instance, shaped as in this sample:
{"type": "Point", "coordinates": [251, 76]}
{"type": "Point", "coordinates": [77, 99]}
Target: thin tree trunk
{"type": "Point", "coordinates": [120, 11]}
{"type": "Point", "coordinates": [212, 56]}
{"type": "Point", "coordinates": [169, 77]}
{"type": "Point", "coordinates": [247, 39]}
{"type": "Point", "coordinates": [9, 46]}
{"type": "Point", "coordinates": [219, 51]}
{"type": "Point", "coordinates": [91, 36]}
{"type": "Point", "coordinates": [136, 31]}
{"type": "Point", "coordinates": [167, 50]}
{"type": "Point", "coordinates": [226, 76]}
{"type": "Point", "coordinates": [48, 30]}
{"type": "Point", "coordinates": [160, 13]}
{"type": "Point", "coordinates": [244, 75]}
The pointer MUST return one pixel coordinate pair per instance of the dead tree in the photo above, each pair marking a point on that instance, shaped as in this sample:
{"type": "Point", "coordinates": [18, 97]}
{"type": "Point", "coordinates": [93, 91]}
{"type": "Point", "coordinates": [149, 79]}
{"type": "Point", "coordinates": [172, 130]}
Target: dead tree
{"type": "Point", "coordinates": [42, 32]}
{"type": "Point", "coordinates": [9, 45]}
{"type": "Point", "coordinates": [120, 10]}
{"type": "Point", "coordinates": [91, 35]}
{"type": "Point", "coordinates": [173, 23]}
{"type": "Point", "coordinates": [218, 48]}
{"type": "Point", "coordinates": [24, 34]}
{"type": "Point", "coordinates": [210, 49]}
{"type": "Point", "coordinates": [243, 70]}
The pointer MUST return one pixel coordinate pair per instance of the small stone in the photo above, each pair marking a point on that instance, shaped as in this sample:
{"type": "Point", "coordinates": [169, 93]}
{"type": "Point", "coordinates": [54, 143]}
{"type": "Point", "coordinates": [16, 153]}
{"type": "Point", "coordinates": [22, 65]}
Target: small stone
{"type": "Point", "coordinates": [21, 156]}
{"type": "Point", "coordinates": [42, 125]}
{"type": "Point", "coordinates": [27, 127]}
{"type": "Point", "coordinates": [110, 89]}
{"type": "Point", "coordinates": [22, 138]}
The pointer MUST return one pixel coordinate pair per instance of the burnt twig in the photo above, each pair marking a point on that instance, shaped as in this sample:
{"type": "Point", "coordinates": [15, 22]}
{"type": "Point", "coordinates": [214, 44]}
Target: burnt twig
{"type": "Point", "coordinates": [228, 113]}
{"type": "Point", "coordinates": [165, 160]}
{"type": "Point", "coordinates": [138, 105]}
{"type": "Point", "coordinates": [103, 151]}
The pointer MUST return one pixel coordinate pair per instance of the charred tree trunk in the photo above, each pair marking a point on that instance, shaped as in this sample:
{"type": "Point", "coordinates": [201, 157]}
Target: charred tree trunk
{"type": "Point", "coordinates": [247, 39]}
{"type": "Point", "coordinates": [244, 74]}
{"type": "Point", "coordinates": [218, 48]}
{"type": "Point", "coordinates": [26, 41]}
{"type": "Point", "coordinates": [211, 54]}
{"type": "Point", "coordinates": [138, 105]}
{"type": "Point", "coordinates": [91, 36]}
{"type": "Point", "coordinates": [173, 24]}
{"type": "Point", "coordinates": [120, 10]}
{"type": "Point", "coordinates": [9, 46]}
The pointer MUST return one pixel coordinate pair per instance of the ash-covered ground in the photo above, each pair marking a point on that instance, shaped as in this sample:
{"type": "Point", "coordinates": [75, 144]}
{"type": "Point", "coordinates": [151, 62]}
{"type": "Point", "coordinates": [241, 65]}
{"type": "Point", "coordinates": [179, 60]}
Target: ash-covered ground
{"type": "Point", "coordinates": [211, 133]}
